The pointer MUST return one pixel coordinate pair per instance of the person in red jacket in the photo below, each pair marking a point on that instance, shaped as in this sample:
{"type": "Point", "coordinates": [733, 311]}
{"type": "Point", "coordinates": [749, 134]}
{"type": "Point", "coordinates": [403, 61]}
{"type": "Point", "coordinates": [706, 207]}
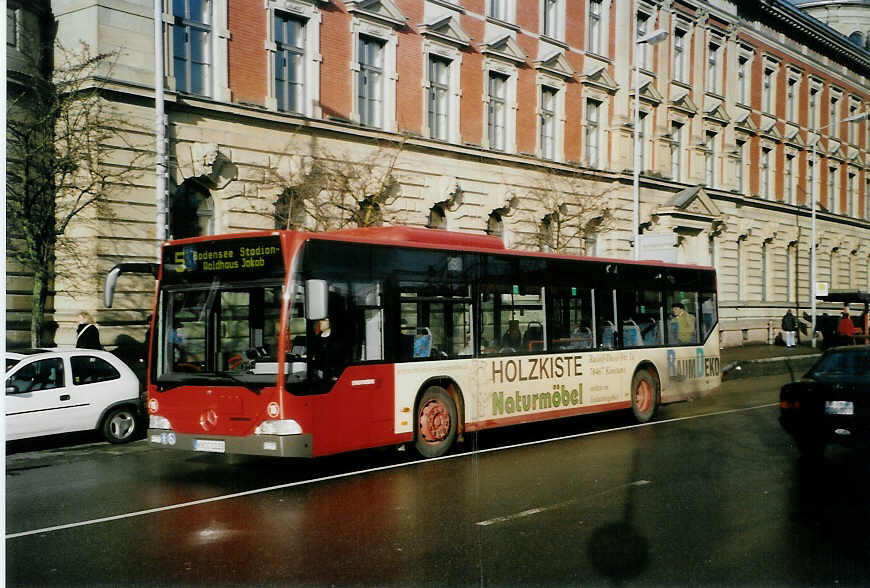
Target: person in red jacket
{"type": "Point", "coordinates": [846, 329]}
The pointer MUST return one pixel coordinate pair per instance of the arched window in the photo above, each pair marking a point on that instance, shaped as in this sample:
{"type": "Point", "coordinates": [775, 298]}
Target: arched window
{"type": "Point", "coordinates": [191, 211]}
{"type": "Point", "coordinates": [495, 225]}
{"type": "Point", "coordinates": [437, 218]}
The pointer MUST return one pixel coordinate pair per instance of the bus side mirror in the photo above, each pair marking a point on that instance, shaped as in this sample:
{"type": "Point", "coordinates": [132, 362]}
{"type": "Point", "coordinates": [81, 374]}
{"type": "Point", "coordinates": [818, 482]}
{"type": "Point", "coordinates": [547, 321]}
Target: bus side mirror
{"type": "Point", "coordinates": [316, 300]}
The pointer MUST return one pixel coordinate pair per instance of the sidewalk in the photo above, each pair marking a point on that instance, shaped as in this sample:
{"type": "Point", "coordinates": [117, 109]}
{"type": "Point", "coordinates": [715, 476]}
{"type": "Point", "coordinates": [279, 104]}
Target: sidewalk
{"type": "Point", "coordinates": [763, 360]}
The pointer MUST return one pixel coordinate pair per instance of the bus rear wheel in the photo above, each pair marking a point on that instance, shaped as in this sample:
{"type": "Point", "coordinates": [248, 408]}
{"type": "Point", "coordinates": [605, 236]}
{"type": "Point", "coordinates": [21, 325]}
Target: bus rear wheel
{"type": "Point", "coordinates": [644, 396]}
{"type": "Point", "coordinates": [436, 422]}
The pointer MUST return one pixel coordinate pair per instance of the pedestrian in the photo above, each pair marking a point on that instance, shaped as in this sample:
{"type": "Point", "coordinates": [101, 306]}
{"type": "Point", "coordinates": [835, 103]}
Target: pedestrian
{"type": "Point", "coordinates": [789, 326]}
{"type": "Point", "coordinates": [846, 329]}
{"type": "Point", "coordinates": [87, 334]}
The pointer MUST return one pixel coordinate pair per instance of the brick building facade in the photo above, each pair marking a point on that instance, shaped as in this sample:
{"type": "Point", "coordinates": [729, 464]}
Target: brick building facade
{"type": "Point", "coordinates": [491, 116]}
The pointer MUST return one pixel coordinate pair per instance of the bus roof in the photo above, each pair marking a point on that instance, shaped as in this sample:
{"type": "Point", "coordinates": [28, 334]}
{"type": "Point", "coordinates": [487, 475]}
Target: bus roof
{"type": "Point", "coordinates": [432, 239]}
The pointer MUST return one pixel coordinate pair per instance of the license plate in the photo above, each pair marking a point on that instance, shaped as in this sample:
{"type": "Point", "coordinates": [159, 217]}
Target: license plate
{"type": "Point", "coordinates": [839, 407]}
{"type": "Point", "coordinates": [211, 445]}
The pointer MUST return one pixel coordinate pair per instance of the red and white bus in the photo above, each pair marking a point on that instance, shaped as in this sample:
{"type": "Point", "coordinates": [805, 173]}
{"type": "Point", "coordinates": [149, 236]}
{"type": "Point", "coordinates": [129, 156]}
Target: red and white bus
{"type": "Point", "coordinates": [302, 344]}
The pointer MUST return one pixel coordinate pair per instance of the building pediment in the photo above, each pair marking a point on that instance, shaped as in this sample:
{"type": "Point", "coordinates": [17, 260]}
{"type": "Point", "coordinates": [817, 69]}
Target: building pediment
{"type": "Point", "coordinates": [689, 210]}
{"type": "Point", "coordinates": [771, 132]}
{"type": "Point", "coordinates": [793, 137]}
{"type": "Point", "coordinates": [556, 64]}
{"type": "Point", "coordinates": [448, 29]}
{"type": "Point", "coordinates": [383, 10]}
{"type": "Point", "coordinates": [714, 109]}
{"type": "Point", "coordinates": [682, 101]}
{"type": "Point", "coordinates": [599, 78]}
{"type": "Point", "coordinates": [743, 122]}
{"type": "Point", "coordinates": [505, 47]}
{"type": "Point", "coordinates": [649, 93]}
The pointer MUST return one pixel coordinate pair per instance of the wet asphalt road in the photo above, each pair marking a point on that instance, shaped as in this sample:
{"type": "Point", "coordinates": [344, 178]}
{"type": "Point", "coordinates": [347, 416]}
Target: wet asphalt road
{"type": "Point", "coordinates": [712, 493]}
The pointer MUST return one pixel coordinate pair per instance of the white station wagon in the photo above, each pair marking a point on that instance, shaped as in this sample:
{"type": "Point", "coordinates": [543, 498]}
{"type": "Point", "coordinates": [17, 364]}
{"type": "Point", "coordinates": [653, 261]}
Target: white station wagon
{"type": "Point", "coordinates": [51, 391]}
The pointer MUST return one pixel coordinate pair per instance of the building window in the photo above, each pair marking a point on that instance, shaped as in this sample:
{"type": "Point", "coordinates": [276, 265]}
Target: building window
{"type": "Point", "coordinates": [765, 173]}
{"type": "Point", "coordinates": [593, 130]}
{"type": "Point", "coordinates": [790, 274]}
{"type": "Point", "coordinates": [811, 183]}
{"type": "Point", "coordinates": [496, 110]}
{"type": "Point", "coordinates": [853, 126]}
{"type": "Point", "coordinates": [867, 203]}
{"type": "Point", "coordinates": [289, 63]}
{"type": "Point", "coordinates": [832, 189]}
{"type": "Point", "coordinates": [371, 82]}
{"type": "Point", "coordinates": [713, 73]}
{"type": "Point", "coordinates": [643, 52]}
{"type": "Point", "coordinates": [552, 24]}
{"type": "Point", "coordinates": [789, 179]}
{"type": "Point", "coordinates": [594, 24]}
{"type": "Point", "coordinates": [439, 91]}
{"type": "Point", "coordinates": [764, 271]}
{"type": "Point", "coordinates": [191, 46]}
{"type": "Point", "coordinates": [710, 159]}
{"type": "Point", "coordinates": [791, 99]}
{"type": "Point", "coordinates": [740, 277]}
{"type": "Point", "coordinates": [641, 141]}
{"type": "Point", "coordinates": [679, 55]}
{"type": "Point", "coordinates": [814, 108]}
{"type": "Point", "coordinates": [743, 80]}
{"type": "Point", "coordinates": [547, 122]}
{"type": "Point", "coordinates": [741, 163]}
{"type": "Point", "coordinates": [767, 90]}
{"type": "Point", "coordinates": [850, 195]}
{"type": "Point", "coordinates": [833, 118]}
{"type": "Point", "coordinates": [676, 151]}
{"type": "Point", "coordinates": [499, 9]}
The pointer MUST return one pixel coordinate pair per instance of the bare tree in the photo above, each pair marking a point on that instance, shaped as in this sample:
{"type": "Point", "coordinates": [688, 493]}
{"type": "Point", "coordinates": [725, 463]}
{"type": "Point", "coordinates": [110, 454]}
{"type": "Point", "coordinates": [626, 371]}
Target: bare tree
{"type": "Point", "coordinates": [331, 191]}
{"type": "Point", "coordinates": [562, 211]}
{"type": "Point", "coordinates": [62, 141]}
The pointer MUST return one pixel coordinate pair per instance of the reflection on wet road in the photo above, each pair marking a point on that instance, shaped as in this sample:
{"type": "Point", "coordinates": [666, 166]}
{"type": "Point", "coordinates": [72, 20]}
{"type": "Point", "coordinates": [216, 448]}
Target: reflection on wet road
{"type": "Point", "coordinates": [710, 493]}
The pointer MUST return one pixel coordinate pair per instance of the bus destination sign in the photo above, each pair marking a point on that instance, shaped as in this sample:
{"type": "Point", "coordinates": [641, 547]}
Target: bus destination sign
{"type": "Point", "coordinates": [228, 258]}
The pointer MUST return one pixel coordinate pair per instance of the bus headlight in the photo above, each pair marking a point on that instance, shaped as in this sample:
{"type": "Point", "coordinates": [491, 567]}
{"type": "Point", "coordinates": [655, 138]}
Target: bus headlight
{"type": "Point", "coordinates": [283, 427]}
{"type": "Point", "coordinates": [155, 421]}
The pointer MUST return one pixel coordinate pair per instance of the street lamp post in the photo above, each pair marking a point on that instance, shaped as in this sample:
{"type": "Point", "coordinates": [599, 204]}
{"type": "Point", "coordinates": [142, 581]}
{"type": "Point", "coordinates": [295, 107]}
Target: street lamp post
{"type": "Point", "coordinates": [818, 131]}
{"type": "Point", "coordinates": [651, 39]}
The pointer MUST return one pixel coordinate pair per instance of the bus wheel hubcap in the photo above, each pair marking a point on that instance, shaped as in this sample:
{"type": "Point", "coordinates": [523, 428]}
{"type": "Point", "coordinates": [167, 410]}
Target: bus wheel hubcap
{"type": "Point", "coordinates": [643, 396]}
{"type": "Point", "coordinates": [434, 421]}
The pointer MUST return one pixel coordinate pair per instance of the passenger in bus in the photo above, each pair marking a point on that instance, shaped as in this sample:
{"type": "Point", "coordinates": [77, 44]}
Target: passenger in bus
{"type": "Point", "coordinates": [682, 325]}
{"type": "Point", "coordinates": [649, 329]}
{"type": "Point", "coordinates": [513, 338]}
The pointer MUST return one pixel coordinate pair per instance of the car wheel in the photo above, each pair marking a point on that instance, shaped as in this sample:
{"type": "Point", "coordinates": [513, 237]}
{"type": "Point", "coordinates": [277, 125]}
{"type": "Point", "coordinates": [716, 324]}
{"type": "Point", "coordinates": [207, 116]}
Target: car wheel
{"type": "Point", "coordinates": [120, 425]}
{"type": "Point", "coordinates": [644, 396]}
{"type": "Point", "coordinates": [436, 422]}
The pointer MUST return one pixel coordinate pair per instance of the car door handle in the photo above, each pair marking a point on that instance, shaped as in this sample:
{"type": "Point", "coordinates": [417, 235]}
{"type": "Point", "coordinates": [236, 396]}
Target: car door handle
{"type": "Point", "coordinates": [64, 396]}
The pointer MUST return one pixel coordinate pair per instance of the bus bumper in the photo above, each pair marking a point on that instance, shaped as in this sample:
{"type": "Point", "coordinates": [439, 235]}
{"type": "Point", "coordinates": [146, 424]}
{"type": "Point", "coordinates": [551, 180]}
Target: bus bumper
{"type": "Point", "coordinates": [273, 445]}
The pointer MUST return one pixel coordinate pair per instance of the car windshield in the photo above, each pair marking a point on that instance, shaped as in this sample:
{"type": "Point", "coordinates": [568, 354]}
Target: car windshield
{"type": "Point", "coordinates": [843, 364]}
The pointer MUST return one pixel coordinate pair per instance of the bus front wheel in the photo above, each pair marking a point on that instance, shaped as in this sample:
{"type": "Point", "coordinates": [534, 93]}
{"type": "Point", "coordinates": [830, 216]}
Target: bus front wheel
{"type": "Point", "coordinates": [436, 422]}
{"type": "Point", "coordinates": [644, 396]}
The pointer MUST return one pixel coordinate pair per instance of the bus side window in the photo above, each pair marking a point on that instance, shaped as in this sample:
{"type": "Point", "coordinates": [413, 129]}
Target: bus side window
{"type": "Point", "coordinates": [605, 318]}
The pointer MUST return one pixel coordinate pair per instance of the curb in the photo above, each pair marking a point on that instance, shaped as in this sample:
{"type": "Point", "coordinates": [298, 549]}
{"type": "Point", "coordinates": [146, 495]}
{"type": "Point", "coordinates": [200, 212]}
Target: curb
{"type": "Point", "coordinates": [768, 366]}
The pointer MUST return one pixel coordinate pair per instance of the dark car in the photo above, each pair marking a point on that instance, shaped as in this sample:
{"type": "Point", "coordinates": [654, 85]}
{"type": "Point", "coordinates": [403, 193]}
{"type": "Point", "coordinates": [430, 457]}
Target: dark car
{"type": "Point", "coordinates": [831, 403]}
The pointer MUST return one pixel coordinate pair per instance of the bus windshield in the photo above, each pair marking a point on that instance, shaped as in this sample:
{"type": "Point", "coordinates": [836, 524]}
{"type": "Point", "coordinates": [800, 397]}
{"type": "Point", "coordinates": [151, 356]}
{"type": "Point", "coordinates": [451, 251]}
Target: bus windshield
{"type": "Point", "coordinates": [219, 311]}
{"type": "Point", "coordinates": [220, 329]}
